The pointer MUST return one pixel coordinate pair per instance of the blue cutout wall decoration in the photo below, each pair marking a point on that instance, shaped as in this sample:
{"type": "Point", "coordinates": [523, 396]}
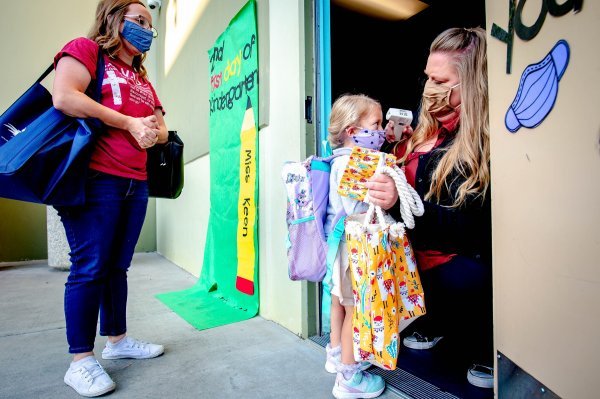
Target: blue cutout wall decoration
{"type": "Point", "coordinates": [538, 89]}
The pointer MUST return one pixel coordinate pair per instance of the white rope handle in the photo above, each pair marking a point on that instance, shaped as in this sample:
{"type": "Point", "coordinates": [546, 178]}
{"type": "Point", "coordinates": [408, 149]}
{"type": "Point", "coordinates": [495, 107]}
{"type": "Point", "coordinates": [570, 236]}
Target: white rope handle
{"type": "Point", "coordinates": [379, 213]}
{"type": "Point", "coordinates": [410, 202]}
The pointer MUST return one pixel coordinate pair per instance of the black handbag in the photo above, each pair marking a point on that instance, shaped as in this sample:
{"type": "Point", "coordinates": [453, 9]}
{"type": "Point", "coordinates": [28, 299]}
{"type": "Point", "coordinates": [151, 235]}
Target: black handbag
{"type": "Point", "coordinates": [165, 168]}
{"type": "Point", "coordinates": [44, 154]}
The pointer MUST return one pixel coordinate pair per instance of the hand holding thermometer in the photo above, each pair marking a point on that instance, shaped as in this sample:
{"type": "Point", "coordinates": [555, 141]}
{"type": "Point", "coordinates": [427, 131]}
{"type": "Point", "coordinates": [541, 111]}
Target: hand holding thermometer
{"type": "Point", "coordinates": [401, 118]}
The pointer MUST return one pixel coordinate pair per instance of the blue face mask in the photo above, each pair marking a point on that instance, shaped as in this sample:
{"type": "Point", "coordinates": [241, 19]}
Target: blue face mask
{"type": "Point", "coordinates": [139, 37]}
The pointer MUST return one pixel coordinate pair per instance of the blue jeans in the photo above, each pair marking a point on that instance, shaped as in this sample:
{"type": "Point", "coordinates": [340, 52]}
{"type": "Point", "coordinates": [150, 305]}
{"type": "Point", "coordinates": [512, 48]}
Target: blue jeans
{"type": "Point", "coordinates": [102, 235]}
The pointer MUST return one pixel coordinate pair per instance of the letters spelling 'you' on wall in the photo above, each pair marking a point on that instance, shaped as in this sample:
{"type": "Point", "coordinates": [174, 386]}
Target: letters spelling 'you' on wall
{"type": "Point", "coordinates": [225, 99]}
{"type": "Point", "coordinates": [524, 32]}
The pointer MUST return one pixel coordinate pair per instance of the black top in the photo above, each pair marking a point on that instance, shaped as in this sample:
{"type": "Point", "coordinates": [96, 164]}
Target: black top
{"type": "Point", "coordinates": [465, 230]}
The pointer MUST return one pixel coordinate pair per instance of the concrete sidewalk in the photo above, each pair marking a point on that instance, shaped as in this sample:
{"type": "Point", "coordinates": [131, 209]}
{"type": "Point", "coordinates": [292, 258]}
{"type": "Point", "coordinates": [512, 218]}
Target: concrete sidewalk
{"type": "Point", "coordinates": [252, 359]}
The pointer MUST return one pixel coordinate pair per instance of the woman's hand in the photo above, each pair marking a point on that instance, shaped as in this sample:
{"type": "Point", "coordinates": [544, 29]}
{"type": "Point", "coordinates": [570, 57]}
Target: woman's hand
{"type": "Point", "coordinates": [389, 131]}
{"type": "Point", "coordinates": [382, 191]}
{"type": "Point", "coordinates": [151, 122]}
{"type": "Point", "coordinates": [144, 130]}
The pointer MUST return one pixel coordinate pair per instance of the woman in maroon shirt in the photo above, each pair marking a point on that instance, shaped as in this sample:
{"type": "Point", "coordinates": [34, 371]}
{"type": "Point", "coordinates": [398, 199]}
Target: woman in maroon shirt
{"type": "Point", "coordinates": [103, 232]}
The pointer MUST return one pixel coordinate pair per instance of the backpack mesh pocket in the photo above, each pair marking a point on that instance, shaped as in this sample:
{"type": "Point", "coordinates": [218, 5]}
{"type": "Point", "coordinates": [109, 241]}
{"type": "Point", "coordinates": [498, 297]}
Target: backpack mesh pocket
{"type": "Point", "coordinates": [307, 254]}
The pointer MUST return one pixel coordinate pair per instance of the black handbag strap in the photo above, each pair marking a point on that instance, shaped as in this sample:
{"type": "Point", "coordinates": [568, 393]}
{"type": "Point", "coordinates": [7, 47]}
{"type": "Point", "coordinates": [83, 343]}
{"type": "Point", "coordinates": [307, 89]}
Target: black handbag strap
{"type": "Point", "coordinates": [99, 75]}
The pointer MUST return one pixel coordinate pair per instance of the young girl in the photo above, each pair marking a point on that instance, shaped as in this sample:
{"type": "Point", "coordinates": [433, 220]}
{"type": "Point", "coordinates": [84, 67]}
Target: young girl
{"type": "Point", "coordinates": [355, 121]}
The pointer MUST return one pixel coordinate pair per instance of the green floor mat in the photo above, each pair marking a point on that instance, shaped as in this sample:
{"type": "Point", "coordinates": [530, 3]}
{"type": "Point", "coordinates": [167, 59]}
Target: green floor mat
{"type": "Point", "coordinates": [205, 309]}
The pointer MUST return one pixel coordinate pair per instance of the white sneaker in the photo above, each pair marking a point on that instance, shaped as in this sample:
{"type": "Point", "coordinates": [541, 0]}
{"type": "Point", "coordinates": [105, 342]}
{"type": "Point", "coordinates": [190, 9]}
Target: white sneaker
{"type": "Point", "coordinates": [88, 378]}
{"type": "Point", "coordinates": [481, 376]}
{"type": "Point", "coordinates": [131, 348]}
{"type": "Point", "coordinates": [418, 341]}
{"type": "Point", "coordinates": [334, 358]}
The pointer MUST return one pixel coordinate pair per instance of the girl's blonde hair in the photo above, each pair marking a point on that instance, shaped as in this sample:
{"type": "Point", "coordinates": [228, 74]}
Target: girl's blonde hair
{"type": "Point", "coordinates": [469, 155]}
{"type": "Point", "coordinates": [105, 31]}
{"type": "Point", "coordinates": [347, 111]}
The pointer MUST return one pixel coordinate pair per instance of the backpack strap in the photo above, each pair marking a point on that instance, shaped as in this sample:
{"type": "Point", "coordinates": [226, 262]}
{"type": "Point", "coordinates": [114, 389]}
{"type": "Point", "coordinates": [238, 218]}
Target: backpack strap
{"type": "Point", "coordinates": [337, 153]}
{"type": "Point", "coordinates": [326, 148]}
{"type": "Point", "coordinates": [333, 244]}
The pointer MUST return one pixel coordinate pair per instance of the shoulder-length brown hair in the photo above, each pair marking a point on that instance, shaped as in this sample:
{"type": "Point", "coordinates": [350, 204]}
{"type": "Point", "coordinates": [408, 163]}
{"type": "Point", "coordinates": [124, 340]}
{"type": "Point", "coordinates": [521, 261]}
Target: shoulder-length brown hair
{"type": "Point", "coordinates": [105, 31]}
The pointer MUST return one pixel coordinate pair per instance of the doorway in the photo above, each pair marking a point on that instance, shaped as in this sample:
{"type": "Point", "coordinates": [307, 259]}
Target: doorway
{"type": "Point", "coordinates": [385, 60]}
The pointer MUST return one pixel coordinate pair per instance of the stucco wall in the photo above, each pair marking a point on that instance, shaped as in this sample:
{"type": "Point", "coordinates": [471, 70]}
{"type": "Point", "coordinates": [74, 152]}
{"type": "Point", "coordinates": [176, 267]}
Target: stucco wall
{"type": "Point", "coordinates": [184, 89]}
{"type": "Point", "coordinates": [281, 300]}
{"type": "Point", "coordinates": [30, 41]}
{"type": "Point", "coordinates": [188, 29]}
{"type": "Point", "coordinates": [546, 207]}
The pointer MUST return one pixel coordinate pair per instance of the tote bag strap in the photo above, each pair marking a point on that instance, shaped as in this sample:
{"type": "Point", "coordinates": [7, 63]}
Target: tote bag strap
{"type": "Point", "coordinates": [97, 93]}
{"type": "Point", "coordinates": [99, 75]}
{"type": "Point", "coordinates": [46, 73]}
{"type": "Point", "coordinates": [96, 90]}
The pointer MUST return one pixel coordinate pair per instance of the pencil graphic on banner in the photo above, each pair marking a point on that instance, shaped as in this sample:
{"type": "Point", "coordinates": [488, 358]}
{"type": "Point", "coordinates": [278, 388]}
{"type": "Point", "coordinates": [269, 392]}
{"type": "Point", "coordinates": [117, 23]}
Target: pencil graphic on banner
{"type": "Point", "coordinates": [246, 252]}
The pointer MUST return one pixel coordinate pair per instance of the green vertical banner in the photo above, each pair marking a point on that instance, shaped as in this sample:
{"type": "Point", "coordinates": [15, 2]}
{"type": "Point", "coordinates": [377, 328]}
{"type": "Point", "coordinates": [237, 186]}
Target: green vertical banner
{"type": "Point", "coordinates": [227, 291]}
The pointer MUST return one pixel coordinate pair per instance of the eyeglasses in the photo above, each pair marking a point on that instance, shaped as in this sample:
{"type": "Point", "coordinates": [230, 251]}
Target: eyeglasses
{"type": "Point", "coordinates": [143, 22]}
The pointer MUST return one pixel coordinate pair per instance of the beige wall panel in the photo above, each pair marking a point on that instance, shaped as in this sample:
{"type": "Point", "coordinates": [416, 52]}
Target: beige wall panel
{"type": "Point", "coordinates": [30, 41]}
{"type": "Point", "coordinates": [188, 29]}
{"type": "Point", "coordinates": [33, 31]}
{"type": "Point", "coordinates": [22, 231]}
{"type": "Point", "coordinates": [181, 224]}
{"type": "Point", "coordinates": [184, 89]}
{"type": "Point", "coordinates": [546, 207]}
{"type": "Point", "coordinates": [281, 299]}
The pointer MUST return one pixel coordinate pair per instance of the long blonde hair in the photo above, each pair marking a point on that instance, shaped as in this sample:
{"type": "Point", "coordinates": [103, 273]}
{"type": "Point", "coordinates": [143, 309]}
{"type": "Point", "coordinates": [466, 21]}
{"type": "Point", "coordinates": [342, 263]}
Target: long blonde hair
{"type": "Point", "coordinates": [469, 155]}
{"type": "Point", "coordinates": [105, 31]}
{"type": "Point", "coordinates": [346, 111]}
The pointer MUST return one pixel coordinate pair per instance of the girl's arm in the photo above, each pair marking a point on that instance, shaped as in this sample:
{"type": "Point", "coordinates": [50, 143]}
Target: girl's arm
{"type": "Point", "coordinates": [68, 95]}
{"type": "Point", "coordinates": [349, 205]}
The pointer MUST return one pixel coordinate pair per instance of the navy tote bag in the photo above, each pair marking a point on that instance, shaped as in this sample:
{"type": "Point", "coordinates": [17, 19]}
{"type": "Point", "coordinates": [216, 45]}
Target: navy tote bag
{"type": "Point", "coordinates": [44, 154]}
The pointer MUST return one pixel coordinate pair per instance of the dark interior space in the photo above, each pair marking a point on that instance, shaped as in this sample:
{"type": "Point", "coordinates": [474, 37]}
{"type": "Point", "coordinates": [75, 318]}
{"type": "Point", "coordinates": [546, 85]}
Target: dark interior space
{"type": "Point", "coordinates": [385, 59]}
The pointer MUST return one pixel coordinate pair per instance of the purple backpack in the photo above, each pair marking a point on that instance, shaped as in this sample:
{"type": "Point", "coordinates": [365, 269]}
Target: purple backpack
{"type": "Point", "coordinates": [307, 187]}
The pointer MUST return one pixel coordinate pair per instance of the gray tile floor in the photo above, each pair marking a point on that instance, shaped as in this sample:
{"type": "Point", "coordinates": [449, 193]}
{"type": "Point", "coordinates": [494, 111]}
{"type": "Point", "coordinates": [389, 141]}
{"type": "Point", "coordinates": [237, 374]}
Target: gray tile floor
{"type": "Point", "coordinates": [252, 359]}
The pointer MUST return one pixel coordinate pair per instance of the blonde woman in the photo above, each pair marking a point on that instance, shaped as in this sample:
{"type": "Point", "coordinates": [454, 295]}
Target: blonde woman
{"type": "Point", "coordinates": [447, 160]}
